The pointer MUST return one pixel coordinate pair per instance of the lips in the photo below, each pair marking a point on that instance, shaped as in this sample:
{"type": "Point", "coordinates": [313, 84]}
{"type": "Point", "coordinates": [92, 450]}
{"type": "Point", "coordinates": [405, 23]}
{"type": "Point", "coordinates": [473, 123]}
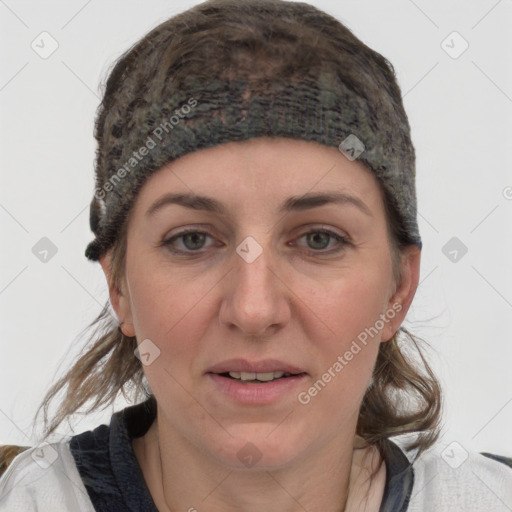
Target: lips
{"type": "Point", "coordinates": [259, 388]}
{"type": "Point", "coordinates": [242, 366]}
{"type": "Point", "coordinates": [260, 377]}
{"type": "Point", "coordinates": [265, 372]}
{"type": "Point", "coordinates": [256, 383]}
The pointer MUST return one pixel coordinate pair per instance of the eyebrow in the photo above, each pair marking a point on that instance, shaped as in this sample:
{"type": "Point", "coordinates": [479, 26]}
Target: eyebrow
{"type": "Point", "coordinates": [293, 203]}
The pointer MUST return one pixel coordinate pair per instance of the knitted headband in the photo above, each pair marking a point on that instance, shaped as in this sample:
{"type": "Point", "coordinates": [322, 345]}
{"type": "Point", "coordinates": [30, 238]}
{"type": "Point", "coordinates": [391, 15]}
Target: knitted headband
{"type": "Point", "coordinates": [200, 114]}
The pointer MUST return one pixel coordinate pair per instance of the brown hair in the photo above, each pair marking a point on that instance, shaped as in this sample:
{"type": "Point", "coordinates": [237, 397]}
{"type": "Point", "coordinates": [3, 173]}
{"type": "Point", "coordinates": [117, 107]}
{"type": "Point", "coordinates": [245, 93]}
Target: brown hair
{"type": "Point", "coordinates": [108, 367]}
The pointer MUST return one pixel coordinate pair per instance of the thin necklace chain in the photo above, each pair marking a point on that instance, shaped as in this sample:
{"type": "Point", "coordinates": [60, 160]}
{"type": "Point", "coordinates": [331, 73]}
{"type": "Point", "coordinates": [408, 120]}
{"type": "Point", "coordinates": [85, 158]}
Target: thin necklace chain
{"type": "Point", "coordinates": [161, 469]}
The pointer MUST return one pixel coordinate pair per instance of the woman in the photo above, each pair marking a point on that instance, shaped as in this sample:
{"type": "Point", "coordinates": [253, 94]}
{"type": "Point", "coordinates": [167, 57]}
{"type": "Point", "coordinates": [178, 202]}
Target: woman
{"type": "Point", "coordinates": [255, 217]}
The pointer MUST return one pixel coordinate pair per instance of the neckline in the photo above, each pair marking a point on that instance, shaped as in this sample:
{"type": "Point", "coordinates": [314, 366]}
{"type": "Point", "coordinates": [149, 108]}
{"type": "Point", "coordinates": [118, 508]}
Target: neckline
{"type": "Point", "coordinates": [134, 421]}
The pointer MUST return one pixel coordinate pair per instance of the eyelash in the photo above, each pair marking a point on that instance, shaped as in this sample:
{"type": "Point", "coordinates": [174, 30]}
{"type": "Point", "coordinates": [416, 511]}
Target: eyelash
{"type": "Point", "coordinates": [339, 238]}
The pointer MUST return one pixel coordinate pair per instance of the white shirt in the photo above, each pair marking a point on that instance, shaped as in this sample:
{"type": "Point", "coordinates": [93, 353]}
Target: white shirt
{"type": "Point", "coordinates": [47, 479]}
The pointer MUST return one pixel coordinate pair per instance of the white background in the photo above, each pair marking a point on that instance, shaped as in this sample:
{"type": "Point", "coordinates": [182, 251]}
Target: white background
{"type": "Point", "coordinates": [460, 110]}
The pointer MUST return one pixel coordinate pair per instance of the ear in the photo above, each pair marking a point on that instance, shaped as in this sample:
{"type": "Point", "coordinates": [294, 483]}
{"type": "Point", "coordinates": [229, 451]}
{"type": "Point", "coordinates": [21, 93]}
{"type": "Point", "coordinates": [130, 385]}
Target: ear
{"type": "Point", "coordinates": [401, 300]}
{"type": "Point", "coordinates": [119, 298]}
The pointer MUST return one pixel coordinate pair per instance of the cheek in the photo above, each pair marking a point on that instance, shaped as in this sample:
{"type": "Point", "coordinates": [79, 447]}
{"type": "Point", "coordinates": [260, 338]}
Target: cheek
{"type": "Point", "coordinates": [174, 317]}
{"type": "Point", "coordinates": [161, 297]}
{"type": "Point", "coordinates": [346, 352]}
{"type": "Point", "coordinates": [173, 312]}
{"type": "Point", "coordinates": [350, 305]}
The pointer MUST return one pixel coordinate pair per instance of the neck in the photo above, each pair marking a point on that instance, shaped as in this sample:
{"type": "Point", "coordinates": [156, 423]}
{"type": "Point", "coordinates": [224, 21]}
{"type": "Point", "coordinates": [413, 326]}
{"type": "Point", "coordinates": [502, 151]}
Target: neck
{"type": "Point", "coordinates": [180, 477]}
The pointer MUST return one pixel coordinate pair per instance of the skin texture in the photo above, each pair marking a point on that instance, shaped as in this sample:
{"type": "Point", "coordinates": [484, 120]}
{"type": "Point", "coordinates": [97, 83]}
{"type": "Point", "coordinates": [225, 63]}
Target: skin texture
{"type": "Point", "coordinates": [299, 302]}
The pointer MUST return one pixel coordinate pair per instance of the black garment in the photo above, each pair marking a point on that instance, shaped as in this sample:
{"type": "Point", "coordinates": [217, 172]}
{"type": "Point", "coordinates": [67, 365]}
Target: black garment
{"type": "Point", "coordinates": [107, 463]}
{"type": "Point", "coordinates": [114, 481]}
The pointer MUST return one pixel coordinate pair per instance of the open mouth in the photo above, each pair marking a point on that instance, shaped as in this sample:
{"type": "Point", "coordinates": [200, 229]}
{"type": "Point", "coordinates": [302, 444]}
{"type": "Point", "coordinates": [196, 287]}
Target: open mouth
{"type": "Point", "coordinates": [256, 383]}
{"type": "Point", "coordinates": [258, 378]}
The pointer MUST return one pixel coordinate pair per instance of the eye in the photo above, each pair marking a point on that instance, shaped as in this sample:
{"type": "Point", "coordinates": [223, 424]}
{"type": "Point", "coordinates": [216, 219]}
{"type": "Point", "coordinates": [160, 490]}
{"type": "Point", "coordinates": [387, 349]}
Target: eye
{"type": "Point", "coordinates": [191, 241]}
{"type": "Point", "coordinates": [319, 240]}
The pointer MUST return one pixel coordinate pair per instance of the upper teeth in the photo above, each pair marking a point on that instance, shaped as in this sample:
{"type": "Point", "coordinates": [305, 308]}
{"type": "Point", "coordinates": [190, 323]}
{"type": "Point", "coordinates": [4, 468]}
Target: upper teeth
{"type": "Point", "coordinates": [256, 376]}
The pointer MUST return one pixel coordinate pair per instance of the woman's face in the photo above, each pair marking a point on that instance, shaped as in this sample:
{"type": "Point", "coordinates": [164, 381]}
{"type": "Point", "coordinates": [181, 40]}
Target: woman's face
{"type": "Point", "coordinates": [286, 268]}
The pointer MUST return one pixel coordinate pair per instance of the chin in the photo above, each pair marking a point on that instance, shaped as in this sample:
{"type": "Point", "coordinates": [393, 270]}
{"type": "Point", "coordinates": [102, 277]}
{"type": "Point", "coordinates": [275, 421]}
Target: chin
{"type": "Point", "coordinates": [255, 450]}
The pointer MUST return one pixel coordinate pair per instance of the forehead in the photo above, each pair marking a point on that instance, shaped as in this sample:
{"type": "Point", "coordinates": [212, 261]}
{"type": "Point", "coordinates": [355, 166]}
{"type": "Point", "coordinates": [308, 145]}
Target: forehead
{"type": "Point", "coordinates": [263, 171]}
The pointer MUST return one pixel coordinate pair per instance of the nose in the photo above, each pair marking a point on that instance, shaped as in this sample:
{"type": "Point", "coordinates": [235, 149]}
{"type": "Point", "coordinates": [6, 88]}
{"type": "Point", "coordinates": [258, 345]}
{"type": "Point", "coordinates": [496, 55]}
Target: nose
{"type": "Point", "coordinates": [256, 299]}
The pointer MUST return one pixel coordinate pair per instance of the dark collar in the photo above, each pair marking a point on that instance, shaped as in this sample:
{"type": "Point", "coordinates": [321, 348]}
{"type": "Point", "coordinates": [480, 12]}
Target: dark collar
{"type": "Point", "coordinates": [399, 479]}
{"type": "Point", "coordinates": [112, 476]}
